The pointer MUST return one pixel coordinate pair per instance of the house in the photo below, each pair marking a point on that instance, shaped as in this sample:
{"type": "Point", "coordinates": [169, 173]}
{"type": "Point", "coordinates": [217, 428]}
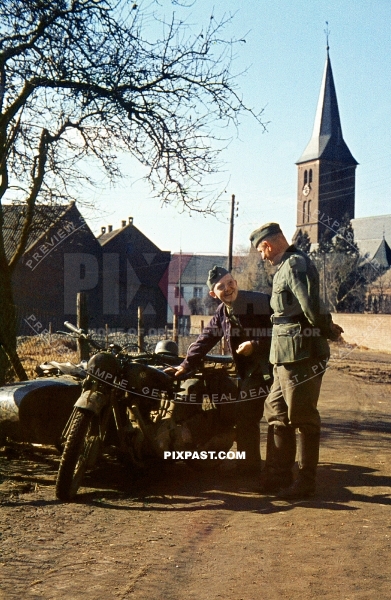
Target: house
{"type": "Point", "coordinates": [187, 278]}
{"type": "Point", "coordinates": [119, 271]}
{"type": "Point", "coordinates": [135, 274]}
{"type": "Point", "coordinates": [62, 257]}
{"type": "Point", "coordinates": [378, 296]}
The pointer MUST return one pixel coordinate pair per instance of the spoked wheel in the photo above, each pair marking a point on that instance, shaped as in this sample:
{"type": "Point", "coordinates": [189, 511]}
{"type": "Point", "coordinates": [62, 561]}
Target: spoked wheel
{"type": "Point", "coordinates": [80, 452]}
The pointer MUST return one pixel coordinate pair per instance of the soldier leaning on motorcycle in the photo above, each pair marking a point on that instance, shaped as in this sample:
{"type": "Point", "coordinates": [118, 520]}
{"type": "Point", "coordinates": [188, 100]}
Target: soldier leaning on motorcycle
{"type": "Point", "coordinates": [243, 319]}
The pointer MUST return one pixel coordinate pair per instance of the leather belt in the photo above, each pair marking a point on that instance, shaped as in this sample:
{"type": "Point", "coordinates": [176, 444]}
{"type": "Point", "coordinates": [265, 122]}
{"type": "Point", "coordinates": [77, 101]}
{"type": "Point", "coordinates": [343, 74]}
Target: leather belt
{"type": "Point", "coordinates": [301, 318]}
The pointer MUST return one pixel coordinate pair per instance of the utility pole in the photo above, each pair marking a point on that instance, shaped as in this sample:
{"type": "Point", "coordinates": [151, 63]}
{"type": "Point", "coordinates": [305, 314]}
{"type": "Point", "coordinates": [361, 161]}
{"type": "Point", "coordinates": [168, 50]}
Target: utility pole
{"type": "Point", "coordinates": [231, 232]}
{"type": "Point", "coordinates": [180, 288]}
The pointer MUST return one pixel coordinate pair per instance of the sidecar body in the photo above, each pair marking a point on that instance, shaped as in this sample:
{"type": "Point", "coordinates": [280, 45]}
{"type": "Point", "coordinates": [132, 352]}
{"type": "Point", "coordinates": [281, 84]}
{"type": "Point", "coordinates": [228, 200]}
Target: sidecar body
{"type": "Point", "coordinates": [36, 411]}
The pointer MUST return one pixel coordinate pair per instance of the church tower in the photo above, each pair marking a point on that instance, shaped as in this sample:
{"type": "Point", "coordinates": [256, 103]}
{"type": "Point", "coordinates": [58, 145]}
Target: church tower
{"type": "Point", "coordinates": [326, 169]}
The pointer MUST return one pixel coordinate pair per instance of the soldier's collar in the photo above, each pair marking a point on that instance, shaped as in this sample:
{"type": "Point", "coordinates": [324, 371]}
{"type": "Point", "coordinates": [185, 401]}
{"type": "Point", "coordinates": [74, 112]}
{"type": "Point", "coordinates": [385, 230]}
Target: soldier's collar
{"type": "Point", "coordinates": [290, 250]}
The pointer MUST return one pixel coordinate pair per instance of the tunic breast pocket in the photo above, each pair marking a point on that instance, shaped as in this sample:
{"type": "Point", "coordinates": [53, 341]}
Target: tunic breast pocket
{"type": "Point", "coordinates": [277, 300]}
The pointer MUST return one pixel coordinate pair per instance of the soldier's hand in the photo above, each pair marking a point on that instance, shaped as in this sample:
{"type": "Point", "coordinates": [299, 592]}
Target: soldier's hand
{"type": "Point", "coordinates": [175, 371]}
{"type": "Point", "coordinates": [336, 331]}
{"type": "Point", "coordinates": [245, 348]}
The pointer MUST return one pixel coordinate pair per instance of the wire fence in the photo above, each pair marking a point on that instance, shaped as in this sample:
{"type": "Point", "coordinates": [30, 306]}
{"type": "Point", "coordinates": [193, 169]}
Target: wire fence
{"type": "Point", "coordinates": [39, 340]}
{"type": "Point", "coordinates": [41, 348]}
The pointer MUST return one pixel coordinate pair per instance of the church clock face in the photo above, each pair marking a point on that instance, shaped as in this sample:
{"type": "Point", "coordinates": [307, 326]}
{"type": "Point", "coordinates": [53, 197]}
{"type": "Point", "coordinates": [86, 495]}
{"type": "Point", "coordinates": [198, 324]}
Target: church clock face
{"type": "Point", "coordinates": [306, 189]}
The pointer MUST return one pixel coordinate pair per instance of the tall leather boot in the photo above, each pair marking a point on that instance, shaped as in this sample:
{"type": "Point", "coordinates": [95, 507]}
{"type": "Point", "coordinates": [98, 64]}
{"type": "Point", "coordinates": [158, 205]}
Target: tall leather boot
{"type": "Point", "coordinates": [308, 455]}
{"type": "Point", "coordinates": [280, 458]}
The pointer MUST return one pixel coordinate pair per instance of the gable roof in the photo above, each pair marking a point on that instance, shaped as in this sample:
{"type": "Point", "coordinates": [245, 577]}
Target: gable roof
{"type": "Point", "coordinates": [371, 228]}
{"type": "Point", "coordinates": [193, 268]}
{"type": "Point", "coordinates": [127, 232]}
{"type": "Point", "coordinates": [368, 248]}
{"type": "Point", "coordinates": [327, 141]}
{"type": "Point", "coordinates": [382, 256]}
{"type": "Point", "coordinates": [373, 237]}
{"type": "Point", "coordinates": [45, 217]}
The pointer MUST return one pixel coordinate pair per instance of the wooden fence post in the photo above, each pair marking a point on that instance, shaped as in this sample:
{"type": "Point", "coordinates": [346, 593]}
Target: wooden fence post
{"type": "Point", "coordinates": [175, 328]}
{"type": "Point", "coordinates": [140, 329]}
{"type": "Point", "coordinates": [82, 323]}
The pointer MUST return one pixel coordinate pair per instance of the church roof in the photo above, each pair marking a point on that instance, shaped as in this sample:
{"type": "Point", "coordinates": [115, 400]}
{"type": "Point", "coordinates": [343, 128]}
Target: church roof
{"type": "Point", "coordinates": [372, 228]}
{"type": "Point", "coordinates": [327, 141]}
{"type": "Point", "coordinates": [373, 237]}
{"type": "Point", "coordinates": [383, 255]}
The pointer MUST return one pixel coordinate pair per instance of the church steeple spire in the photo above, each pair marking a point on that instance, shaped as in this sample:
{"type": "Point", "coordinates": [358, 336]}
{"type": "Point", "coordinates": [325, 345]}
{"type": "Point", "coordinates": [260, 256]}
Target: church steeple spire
{"type": "Point", "coordinates": [327, 141]}
{"type": "Point", "coordinates": [326, 169]}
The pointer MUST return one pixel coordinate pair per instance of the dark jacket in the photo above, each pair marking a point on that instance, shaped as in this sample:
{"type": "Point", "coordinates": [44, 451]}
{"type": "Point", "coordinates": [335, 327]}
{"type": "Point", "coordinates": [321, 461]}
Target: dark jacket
{"type": "Point", "coordinates": [252, 309]}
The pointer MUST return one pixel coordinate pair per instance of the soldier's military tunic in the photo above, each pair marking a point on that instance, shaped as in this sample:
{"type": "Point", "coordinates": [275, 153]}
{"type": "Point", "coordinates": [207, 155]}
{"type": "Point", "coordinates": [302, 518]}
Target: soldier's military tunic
{"type": "Point", "coordinates": [299, 348]}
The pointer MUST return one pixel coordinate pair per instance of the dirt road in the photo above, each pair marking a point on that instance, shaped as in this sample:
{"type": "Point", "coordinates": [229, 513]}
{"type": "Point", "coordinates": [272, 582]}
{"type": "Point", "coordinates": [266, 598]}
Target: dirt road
{"type": "Point", "coordinates": [182, 535]}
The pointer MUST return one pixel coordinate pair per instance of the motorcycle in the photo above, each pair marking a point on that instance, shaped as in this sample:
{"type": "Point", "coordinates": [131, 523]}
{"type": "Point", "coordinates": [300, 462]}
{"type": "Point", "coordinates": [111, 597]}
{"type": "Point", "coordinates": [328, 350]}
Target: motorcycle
{"type": "Point", "coordinates": [130, 403]}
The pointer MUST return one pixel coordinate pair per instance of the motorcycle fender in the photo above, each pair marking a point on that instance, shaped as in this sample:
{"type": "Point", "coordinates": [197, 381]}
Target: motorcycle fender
{"type": "Point", "coordinates": [92, 400]}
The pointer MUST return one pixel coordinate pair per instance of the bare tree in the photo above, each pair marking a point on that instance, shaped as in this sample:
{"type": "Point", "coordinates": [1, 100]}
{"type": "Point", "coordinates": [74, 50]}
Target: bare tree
{"type": "Point", "coordinates": [302, 241]}
{"type": "Point", "coordinates": [88, 79]}
{"type": "Point", "coordinates": [343, 274]}
{"type": "Point", "coordinates": [251, 272]}
{"type": "Point", "coordinates": [379, 291]}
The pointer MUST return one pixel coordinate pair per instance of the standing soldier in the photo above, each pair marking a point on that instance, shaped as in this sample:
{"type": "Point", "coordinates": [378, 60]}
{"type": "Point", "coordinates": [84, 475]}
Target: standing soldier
{"type": "Point", "coordinates": [243, 318]}
{"type": "Point", "coordinates": [299, 353]}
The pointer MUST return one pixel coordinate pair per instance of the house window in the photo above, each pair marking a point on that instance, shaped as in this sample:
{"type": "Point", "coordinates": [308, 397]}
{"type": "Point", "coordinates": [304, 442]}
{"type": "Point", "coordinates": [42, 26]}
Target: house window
{"type": "Point", "coordinates": [177, 291]}
{"type": "Point", "coordinates": [197, 292]}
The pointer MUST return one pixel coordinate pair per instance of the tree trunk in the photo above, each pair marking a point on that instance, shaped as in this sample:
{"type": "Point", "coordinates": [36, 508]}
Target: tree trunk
{"type": "Point", "coordinates": [8, 330]}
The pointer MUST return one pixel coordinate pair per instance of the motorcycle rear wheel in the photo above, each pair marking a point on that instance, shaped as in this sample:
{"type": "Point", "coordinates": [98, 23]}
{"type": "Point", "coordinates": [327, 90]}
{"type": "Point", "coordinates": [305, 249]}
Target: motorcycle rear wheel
{"type": "Point", "coordinates": [75, 457]}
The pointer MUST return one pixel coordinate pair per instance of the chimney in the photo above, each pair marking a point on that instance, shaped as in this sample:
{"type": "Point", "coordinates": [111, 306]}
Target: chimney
{"type": "Point", "coordinates": [109, 228]}
{"type": "Point", "coordinates": [103, 230]}
{"type": "Point", "coordinates": [130, 220]}
{"type": "Point", "coordinates": [123, 223]}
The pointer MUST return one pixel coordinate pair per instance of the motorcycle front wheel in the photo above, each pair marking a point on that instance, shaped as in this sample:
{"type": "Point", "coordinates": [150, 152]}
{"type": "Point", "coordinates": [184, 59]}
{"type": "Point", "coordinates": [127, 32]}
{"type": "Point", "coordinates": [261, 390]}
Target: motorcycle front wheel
{"type": "Point", "coordinates": [76, 457]}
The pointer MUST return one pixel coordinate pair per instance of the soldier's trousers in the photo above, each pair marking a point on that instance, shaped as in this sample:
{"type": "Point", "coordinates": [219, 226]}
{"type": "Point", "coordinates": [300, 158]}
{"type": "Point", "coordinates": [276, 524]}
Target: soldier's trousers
{"type": "Point", "coordinates": [294, 395]}
{"type": "Point", "coordinates": [249, 412]}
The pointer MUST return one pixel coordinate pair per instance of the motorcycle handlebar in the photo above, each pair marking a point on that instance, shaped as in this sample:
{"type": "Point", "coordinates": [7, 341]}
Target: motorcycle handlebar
{"type": "Point", "coordinates": [73, 328]}
{"type": "Point", "coordinates": [82, 334]}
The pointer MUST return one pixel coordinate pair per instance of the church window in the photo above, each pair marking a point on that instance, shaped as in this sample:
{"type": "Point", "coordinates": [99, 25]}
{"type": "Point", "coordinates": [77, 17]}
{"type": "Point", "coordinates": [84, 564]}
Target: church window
{"type": "Point", "coordinates": [304, 210]}
{"type": "Point", "coordinates": [305, 177]}
{"type": "Point", "coordinates": [310, 176]}
{"type": "Point", "coordinates": [309, 211]}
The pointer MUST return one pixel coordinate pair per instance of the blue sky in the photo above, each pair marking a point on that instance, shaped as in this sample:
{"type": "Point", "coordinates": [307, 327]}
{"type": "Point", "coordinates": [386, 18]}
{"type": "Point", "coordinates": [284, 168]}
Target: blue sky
{"type": "Point", "coordinates": [285, 54]}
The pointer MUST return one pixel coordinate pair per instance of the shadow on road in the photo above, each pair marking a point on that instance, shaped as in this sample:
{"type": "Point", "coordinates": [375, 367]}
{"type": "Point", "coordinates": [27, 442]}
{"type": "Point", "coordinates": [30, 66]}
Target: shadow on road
{"type": "Point", "coordinates": [178, 487]}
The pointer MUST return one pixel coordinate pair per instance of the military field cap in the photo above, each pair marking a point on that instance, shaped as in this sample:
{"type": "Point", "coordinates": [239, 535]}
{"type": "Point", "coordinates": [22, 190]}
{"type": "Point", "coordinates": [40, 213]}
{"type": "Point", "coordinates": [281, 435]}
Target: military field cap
{"type": "Point", "coordinates": [264, 232]}
{"type": "Point", "coordinates": [215, 274]}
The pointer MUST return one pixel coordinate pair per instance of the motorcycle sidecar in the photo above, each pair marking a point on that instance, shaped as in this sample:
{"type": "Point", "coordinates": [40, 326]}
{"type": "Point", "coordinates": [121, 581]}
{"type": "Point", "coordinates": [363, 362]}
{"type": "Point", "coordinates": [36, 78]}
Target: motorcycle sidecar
{"type": "Point", "coordinates": [37, 411]}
